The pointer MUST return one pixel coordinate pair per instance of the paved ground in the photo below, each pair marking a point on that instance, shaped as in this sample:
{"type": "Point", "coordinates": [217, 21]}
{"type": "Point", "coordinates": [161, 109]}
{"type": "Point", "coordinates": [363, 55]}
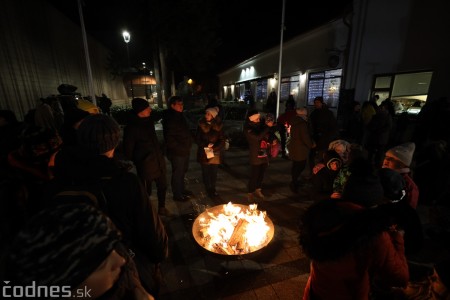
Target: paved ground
{"type": "Point", "coordinates": [278, 271]}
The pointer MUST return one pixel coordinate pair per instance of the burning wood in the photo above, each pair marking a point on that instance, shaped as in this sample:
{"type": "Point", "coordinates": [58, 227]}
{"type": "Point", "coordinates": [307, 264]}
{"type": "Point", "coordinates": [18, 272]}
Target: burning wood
{"type": "Point", "coordinates": [238, 232]}
{"type": "Point", "coordinates": [233, 229]}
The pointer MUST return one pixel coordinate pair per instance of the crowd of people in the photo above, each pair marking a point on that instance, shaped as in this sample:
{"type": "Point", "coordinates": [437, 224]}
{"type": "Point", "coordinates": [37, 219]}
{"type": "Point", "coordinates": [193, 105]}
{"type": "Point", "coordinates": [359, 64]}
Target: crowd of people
{"type": "Point", "coordinates": [85, 186]}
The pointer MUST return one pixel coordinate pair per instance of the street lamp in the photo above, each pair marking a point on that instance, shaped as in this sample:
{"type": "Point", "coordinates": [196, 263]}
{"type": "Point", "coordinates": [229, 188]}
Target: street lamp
{"type": "Point", "coordinates": [127, 38]}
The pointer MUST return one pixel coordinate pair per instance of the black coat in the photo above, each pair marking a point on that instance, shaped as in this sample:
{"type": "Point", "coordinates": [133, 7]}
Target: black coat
{"type": "Point", "coordinates": [177, 136]}
{"type": "Point", "coordinates": [324, 127]}
{"type": "Point", "coordinates": [141, 146]}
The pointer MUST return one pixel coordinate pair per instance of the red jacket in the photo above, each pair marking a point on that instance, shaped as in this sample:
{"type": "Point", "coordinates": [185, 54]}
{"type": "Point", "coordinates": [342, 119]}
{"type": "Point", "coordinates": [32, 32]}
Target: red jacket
{"type": "Point", "coordinates": [412, 191]}
{"type": "Point", "coordinates": [348, 276]}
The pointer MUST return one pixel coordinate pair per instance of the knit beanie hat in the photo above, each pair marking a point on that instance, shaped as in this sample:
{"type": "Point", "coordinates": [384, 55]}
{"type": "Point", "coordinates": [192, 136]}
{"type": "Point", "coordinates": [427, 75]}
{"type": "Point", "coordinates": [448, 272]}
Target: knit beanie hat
{"type": "Point", "coordinates": [39, 143]}
{"type": "Point", "coordinates": [98, 134]}
{"type": "Point", "coordinates": [139, 104]}
{"type": "Point", "coordinates": [61, 245]}
{"type": "Point", "coordinates": [253, 115]}
{"type": "Point", "coordinates": [213, 111]}
{"type": "Point", "coordinates": [393, 184]}
{"type": "Point", "coordinates": [403, 153]}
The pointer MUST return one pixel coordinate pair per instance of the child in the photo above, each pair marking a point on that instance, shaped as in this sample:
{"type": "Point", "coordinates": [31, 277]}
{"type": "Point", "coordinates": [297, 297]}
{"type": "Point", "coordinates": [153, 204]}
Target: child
{"type": "Point", "coordinates": [323, 180]}
{"type": "Point", "coordinates": [399, 158]}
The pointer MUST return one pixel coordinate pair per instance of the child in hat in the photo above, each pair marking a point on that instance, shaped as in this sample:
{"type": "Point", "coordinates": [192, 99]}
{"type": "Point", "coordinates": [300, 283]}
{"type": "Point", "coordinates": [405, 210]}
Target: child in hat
{"type": "Point", "coordinates": [399, 158]}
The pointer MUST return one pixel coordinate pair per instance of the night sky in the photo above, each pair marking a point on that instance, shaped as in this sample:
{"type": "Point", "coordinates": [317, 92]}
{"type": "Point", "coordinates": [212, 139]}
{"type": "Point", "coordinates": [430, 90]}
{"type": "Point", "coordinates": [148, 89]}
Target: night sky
{"type": "Point", "coordinates": [244, 27]}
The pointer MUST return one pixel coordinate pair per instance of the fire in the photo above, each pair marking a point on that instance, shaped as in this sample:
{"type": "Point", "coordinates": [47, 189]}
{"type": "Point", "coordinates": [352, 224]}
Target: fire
{"type": "Point", "coordinates": [233, 229]}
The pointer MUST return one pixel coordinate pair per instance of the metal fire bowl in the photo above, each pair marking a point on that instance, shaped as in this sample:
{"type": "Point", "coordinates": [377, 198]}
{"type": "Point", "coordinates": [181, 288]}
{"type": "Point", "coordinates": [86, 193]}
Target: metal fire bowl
{"type": "Point", "coordinates": [217, 210]}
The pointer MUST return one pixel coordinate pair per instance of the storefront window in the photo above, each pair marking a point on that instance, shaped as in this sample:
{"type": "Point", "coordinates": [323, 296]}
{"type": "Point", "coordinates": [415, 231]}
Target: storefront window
{"type": "Point", "coordinates": [408, 91]}
{"type": "Point", "coordinates": [261, 89]}
{"type": "Point", "coordinates": [326, 84]}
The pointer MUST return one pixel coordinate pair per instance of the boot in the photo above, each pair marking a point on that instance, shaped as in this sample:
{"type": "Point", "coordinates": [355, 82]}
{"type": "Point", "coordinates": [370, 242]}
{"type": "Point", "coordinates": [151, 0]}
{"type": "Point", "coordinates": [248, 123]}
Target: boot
{"type": "Point", "coordinates": [258, 193]}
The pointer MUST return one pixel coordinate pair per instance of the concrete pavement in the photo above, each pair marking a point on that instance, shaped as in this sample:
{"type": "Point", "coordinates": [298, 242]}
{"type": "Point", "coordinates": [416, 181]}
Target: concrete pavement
{"type": "Point", "coordinates": [278, 271]}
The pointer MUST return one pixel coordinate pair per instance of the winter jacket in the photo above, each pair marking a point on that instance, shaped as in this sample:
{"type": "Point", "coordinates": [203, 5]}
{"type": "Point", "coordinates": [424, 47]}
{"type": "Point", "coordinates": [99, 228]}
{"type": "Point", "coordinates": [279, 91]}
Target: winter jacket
{"type": "Point", "coordinates": [209, 133]}
{"type": "Point", "coordinates": [324, 127]}
{"type": "Point", "coordinates": [322, 183]}
{"type": "Point", "coordinates": [412, 191]}
{"type": "Point", "coordinates": [301, 141]}
{"type": "Point", "coordinates": [177, 136]}
{"type": "Point", "coordinates": [350, 247]}
{"type": "Point", "coordinates": [255, 133]}
{"type": "Point", "coordinates": [141, 146]}
{"type": "Point", "coordinates": [286, 117]}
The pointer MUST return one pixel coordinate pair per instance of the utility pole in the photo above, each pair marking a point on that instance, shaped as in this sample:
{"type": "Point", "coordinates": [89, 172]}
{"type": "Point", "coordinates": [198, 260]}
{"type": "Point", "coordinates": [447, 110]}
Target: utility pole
{"type": "Point", "coordinates": [280, 61]}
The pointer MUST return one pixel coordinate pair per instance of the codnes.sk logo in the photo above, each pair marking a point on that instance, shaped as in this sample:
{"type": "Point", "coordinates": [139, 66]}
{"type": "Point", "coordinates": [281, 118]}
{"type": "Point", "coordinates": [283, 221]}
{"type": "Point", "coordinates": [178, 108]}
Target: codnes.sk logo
{"type": "Point", "coordinates": [32, 290]}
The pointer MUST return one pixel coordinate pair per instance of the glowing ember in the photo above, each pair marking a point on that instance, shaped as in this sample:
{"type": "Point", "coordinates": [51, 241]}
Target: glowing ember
{"type": "Point", "coordinates": [233, 229]}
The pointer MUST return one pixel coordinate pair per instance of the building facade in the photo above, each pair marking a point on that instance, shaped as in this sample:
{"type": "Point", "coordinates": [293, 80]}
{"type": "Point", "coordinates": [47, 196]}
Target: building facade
{"type": "Point", "coordinates": [393, 49]}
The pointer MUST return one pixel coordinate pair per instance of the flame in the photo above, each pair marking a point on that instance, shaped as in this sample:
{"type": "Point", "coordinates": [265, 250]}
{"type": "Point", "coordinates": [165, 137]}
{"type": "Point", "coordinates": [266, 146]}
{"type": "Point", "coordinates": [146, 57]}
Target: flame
{"type": "Point", "coordinates": [217, 229]}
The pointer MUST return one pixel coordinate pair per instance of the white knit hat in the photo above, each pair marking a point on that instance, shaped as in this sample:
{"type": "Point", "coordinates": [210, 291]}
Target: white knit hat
{"type": "Point", "coordinates": [213, 111]}
{"type": "Point", "coordinates": [403, 153]}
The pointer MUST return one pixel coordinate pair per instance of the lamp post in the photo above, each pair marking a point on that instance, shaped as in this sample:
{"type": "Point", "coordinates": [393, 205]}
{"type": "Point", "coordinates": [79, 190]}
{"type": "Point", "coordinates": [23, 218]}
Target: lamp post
{"type": "Point", "coordinates": [127, 37]}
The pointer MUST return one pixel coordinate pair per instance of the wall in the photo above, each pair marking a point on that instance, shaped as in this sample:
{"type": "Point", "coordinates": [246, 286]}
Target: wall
{"type": "Point", "coordinates": [399, 36]}
{"type": "Point", "coordinates": [42, 49]}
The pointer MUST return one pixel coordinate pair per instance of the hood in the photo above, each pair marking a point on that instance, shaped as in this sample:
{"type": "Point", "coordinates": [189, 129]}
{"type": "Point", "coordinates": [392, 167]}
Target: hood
{"type": "Point", "coordinates": [331, 229]}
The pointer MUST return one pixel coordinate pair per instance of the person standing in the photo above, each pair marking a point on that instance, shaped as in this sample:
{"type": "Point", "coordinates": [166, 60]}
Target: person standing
{"type": "Point", "coordinates": [90, 166]}
{"type": "Point", "coordinates": [105, 104]}
{"type": "Point", "coordinates": [379, 129]}
{"type": "Point", "coordinates": [141, 146]}
{"type": "Point", "coordinates": [256, 131]}
{"type": "Point", "coordinates": [271, 103]}
{"type": "Point", "coordinates": [210, 140]}
{"type": "Point", "coordinates": [178, 140]}
{"type": "Point", "coordinates": [284, 123]}
{"type": "Point", "coordinates": [324, 128]}
{"type": "Point", "coordinates": [299, 146]}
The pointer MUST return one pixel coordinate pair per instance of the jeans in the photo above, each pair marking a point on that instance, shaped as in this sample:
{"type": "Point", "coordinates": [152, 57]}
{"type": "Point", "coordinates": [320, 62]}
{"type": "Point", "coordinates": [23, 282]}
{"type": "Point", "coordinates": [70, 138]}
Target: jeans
{"type": "Point", "coordinates": [209, 172]}
{"type": "Point", "coordinates": [180, 166]}
{"type": "Point", "coordinates": [256, 177]}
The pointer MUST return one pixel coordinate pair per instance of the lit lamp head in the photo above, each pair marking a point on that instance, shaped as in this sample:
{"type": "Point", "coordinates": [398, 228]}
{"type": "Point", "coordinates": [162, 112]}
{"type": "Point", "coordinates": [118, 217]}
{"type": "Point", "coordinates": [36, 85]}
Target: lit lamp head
{"type": "Point", "coordinates": [126, 36]}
